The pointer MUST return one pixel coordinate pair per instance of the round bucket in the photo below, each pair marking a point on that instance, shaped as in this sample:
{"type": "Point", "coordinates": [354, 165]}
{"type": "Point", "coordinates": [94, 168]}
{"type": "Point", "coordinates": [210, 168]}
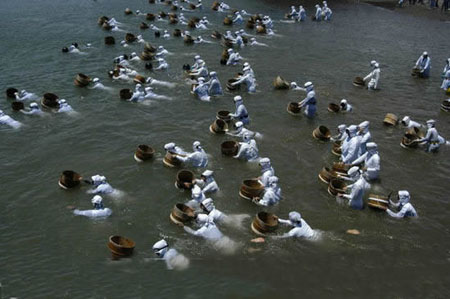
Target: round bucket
{"type": "Point", "coordinates": [378, 202]}
{"type": "Point", "coordinates": [250, 189]}
{"type": "Point", "coordinates": [170, 160]}
{"type": "Point", "coordinates": [358, 81]}
{"type": "Point", "coordinates": [121, 246]}
{"type": "Point", "coordinates": [50, 100]}
{"type": "Point", "coordinates": [332, 107]}
{"type": "Point", "coordinates": [129, 37]}
{"type": "Point", "coordinates": [17, 106]}
{"type": "Point", "coordinates": [321, 133]}
{"type": "Point", "coordinates": [336, 149]}
{"type": "Point", "coordinates": [229, 148]}
{"type": "Point", "coordinates": [185, 179]}
{"type": "Point", "coordinates": [219, 126]}
{"type": "Point", "coordinates": [10, 92]}
{"type": "Point", "coordinates": [224, 115]}
{"type": "Point", "coordinates": [82, 80]}
{"type": "Point", "coordinates": [280, 83]}
{"type": "Point", "coordinates": [264, 223]}
{"type": "Point", "coordinates": [293, 108]}
{"type": "Point", "coordinates": [125, 94]}
{"type": "Point", "coordinates": [69, 179]}
{"type": "Point", "coordinates": [390, 119]}
{"type": "Point", "coordinates": [181, 214]}
{"type": "Point", "coordinates": [336, 186]}
{"type": "Point", "coordinates": [144, 153]}
{"type": "Point", "coordinates": [109, 40]}
{"type": "Point", "coordinates": [326, 175]}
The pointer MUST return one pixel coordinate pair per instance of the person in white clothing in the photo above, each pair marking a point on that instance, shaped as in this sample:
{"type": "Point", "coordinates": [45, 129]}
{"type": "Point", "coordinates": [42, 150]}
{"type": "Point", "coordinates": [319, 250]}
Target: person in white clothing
{"type": "Point", "coordinates": [99, 210]}
{"type": "Point", "coordinates": [300, 229]}
{"type": "Point", "coordinates": [405, 208]}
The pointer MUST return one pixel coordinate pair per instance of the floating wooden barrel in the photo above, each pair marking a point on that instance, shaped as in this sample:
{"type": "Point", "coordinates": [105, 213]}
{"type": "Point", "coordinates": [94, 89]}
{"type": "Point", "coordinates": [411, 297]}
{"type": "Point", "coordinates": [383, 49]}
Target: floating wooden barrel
{"type": "Point", "coordinates": [321, 133]}
{"type": "Point", "coordinates": [229, 148]}
{"type": "Point", "coordinates": [150, 17]}
{"type": "Point", "coordinates": [250, 189]}
{"type": "Point", "coordinates": [336, 149]}
{"type": "Point", "coordinates": [336, 186]}
{"type": "Point", "coordinates": [224, 115]}
{"type": "Point", "coordinates": [121, 246]}
{"type": "Point", "coordinates": [192, 6]}
{"type": "Point", "coordinates": [293, 108]}
{"type": "Point", "coordinates": [191, 24]}
{"type": "Point", "coordinates": [109, 40]}
{"type": "Point", "coordinates": [233, 87]}
{"type": "Point", "coordinates": [188, 39]}
{"type": "Point", "coordinates": [264, 223]}
{"type": "Point", "coordinates": [280, 83]}
{"type": "Point", "coordinates": [173, 20]}
{"type": "Point", "coordinates": [445, 106]}
{"type": "Point", "coordinates": [144, 153]}
{"type": "Point", "coordinates": [332, 107]}
{"type": "Point", "coordinates": [106, 26]}
{"type": "Point", "coordinates": [125, 94]}
{"type": "Point", "coordinates": [378, 202]}
{"type": "Point", "coordinates": [228, 21]}
{"type": "Point", "coordinates": [149, 48]}
{"type": "Point", "coordinates": [185, 179]}
{"type": "Point", "coordinates": [128, 11]}
{"type": "Point", "coordinates": [102, 20]}
{"type": "Point", "coordinates": [69, 179]}
{"type": "Point", "coordinates": [10, 92]}
{"type": "Point", "coordinates": [129, 37]}
{"type": "Point", "coordinates": [390, 119]}
{"type": "Point", "coordinates": [250, 24]}
{"type": "Point", "coordinates": [81, 80]}
{"type": "Point", "coordinates": [151, 1]}
{"type": "Point", "coordinates": [174, 7]}
{"type": "Point", "coordinates": [50, 100]}
{"type": "Point", "coordinates": [170, 160]}
{"type": "Point", "coordinates": [215, 6]}
{"type": "Point", "coordinates": [181, 213]}
{"type": "Point", "coordinates": [327, 174]}
{"type": "Point", "coordinates": [219, 126]}
{"type": "Point", "coordinates": [176, 33]}
{"type": "Point", "coordinates": [145, 55]}
{"type": "Point", "coordinates": [358, 81]}
{"type": "Point", "coordinates": [261, 29]}
{"type": "Point", "coordinates": [143, 26]}
{"type": "Point", "coordinates": [17, 106]}
{"type": "Point", "coordinates": [410, 138]}
{"type": "Point", "coordinates": [415, 72]}
{"type": "Point", "coordinates": [341, 167]}
{"type": "Point", "coordinates": [139, 79]}
{"type": "Point", "coordinates": [216, 34]}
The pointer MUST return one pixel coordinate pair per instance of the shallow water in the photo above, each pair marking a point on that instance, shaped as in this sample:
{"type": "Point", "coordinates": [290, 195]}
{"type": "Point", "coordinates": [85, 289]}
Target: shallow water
{"type": "Point", "coordinates": [48, 252]}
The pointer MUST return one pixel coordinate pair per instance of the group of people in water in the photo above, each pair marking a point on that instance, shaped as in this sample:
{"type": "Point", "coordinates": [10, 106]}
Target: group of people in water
{"type": "Point", "coordinates": [358, 149]}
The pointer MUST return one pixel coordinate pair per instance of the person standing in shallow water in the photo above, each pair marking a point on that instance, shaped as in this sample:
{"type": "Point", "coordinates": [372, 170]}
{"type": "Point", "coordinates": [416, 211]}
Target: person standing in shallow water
{"type": "Point", "coordinates": [310, 101]}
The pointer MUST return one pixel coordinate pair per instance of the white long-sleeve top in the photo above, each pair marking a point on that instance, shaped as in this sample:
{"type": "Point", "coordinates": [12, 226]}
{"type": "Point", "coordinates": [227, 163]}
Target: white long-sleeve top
{"type": "Point", "coordinates": [357, 194]}
{"type": "Point", "coordinates": [94, 213]}
{"type": "Point", "coordinates": [298, 231]}
{"type": "Point", "coordinates": [372, 163]}
{"type": "Point", "coordinates": [197, 158]}
{"type": "Point", "coordinates": [208, 231]}
{"type": "Point", "coordinates": [248, 151]}
{"type": "Point", "coordinates": [406, 210]}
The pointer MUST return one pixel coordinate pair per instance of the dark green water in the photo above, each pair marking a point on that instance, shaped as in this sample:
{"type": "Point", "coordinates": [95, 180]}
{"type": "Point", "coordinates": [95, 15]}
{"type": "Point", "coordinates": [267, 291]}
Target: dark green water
{"type": "Point", "coordinates": [49, 253]}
